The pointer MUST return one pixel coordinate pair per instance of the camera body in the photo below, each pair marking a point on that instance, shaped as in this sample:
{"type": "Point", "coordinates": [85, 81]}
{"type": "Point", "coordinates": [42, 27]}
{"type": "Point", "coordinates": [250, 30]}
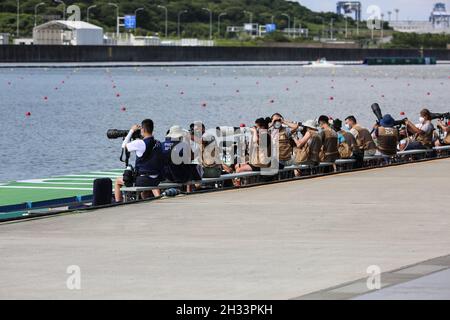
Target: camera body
{"type": "Point", "coordinates": [399, 123]}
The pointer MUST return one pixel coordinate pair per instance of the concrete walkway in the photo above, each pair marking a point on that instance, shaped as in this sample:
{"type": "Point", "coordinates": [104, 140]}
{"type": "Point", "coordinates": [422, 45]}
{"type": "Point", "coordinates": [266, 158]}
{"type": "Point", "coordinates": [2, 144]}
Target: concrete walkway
{"type": "Point", "coordinates": [273, 242]}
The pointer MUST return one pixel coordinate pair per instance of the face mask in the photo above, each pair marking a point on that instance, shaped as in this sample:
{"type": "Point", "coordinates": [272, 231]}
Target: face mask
{"type": "Point", "coordinates": [347, 127]}
{"type": "Point", "coordinates": [422, 120]}
{"type": "Point", "coordinates": [277, 125]}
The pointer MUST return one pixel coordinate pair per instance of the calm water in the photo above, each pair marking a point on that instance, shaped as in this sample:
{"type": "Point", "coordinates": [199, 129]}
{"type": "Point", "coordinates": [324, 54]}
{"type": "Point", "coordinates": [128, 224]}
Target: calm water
{"type": "Point", "coordinates": [66, 132]}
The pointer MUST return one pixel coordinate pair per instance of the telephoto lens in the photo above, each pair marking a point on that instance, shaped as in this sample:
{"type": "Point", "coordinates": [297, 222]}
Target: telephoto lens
{"type": "Point", "coordinates": [116, 134]}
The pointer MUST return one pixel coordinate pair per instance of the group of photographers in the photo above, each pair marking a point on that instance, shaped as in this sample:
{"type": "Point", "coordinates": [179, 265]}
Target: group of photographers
{"type": "Point", "coordinates": [190, 155]}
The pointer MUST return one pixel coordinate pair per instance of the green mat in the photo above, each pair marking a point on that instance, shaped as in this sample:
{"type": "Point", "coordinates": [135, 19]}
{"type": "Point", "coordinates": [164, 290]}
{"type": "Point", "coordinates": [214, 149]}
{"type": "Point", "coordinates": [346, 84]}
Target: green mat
{"type": "Point", "coordinates": [52, 188]}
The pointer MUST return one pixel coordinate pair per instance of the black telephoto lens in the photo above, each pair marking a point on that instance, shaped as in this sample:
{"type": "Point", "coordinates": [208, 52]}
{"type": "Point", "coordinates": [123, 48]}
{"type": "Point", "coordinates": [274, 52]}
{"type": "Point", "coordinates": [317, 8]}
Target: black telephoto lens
{"type": "Point", "coordinates": [116, 134]}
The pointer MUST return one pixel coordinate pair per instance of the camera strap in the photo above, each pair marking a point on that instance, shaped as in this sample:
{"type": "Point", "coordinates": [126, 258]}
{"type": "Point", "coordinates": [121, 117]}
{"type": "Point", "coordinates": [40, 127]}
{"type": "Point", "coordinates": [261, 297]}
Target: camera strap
{"type": "Point", "coordinates": [127, 155]}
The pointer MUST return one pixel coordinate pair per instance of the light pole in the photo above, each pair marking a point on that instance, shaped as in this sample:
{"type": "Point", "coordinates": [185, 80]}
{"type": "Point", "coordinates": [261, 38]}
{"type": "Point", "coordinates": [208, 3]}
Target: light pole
{"type": "Point", "coordinates": [179, 18]}
{"type": "Point", "coordinates": [117, 17]}
{"type": "Point", "coordinates": [382, 26]}
{"type": "Point", "coordinates": [35, 12]}
{"type": "Point", "coordinates": [218, 22]}
{"type": "Point", "coordinates": [64, 8]}
{"type": "Point", "coordinates": [251, 20]}
{"type": "Point", "coordinates": [331, 28]}
{"type": "Point", "coordinates": [289, 23]}
{"type": "Point", "coordinates": [346, 27]}
{"type": "Point", "coordinates": [166, 16]}
{"type": "Point", "coordinates": [210, 22]}
{"type": "Point", "coordinates": [389, 15]}
{"type": "Point", "coordinates": [135, 15]}
{"type": "Point", "coordinates": [89, 9]}
{"type": "Point", "coordinates": [18, 18]}
{"type": "Point", "coordinates": [396, 14]}
{"type": "Point", "coordinates": [323, 27]}
{"type": "Point", "coordinates": [293, 27]}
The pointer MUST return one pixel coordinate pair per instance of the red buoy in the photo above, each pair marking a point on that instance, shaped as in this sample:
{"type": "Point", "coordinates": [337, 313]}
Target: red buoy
{"type": "Point", "coordinates": [28, 114]}
{"type": "Point", "coordinates": [118, 95]}
{"type": "Point", "coordinates": [331, 98]}
{"type": "Point", "coordinates": [45, 98]}
{"type": "Point", "coordinates": [272, 101]}
{"type": "Point", "coordinates": [204, 104]}
{"type": "Point", "coordinates": [123, 109]}
{"type": "Point", "coordinates": [402, 113]}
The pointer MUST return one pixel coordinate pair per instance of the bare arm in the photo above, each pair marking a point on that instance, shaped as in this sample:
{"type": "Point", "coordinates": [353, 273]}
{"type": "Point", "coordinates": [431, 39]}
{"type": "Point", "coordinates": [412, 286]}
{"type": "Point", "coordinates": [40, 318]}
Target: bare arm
{"type": "Point", "coordinates": [292, 125]}
{"type": "Point", "coordinates": [303, 141]}
{"type": "Point", "coordinates": [412, 128]}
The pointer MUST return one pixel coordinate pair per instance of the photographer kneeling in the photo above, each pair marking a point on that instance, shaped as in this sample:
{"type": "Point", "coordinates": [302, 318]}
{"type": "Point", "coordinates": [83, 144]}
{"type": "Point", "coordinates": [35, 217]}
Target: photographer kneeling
{"type": "Point", "coordinates": [148, 160]}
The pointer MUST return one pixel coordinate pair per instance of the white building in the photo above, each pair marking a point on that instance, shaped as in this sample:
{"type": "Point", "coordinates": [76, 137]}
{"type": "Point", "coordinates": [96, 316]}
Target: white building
{"type": "Point", "coordinates": [439, 22]}
{"type": "Point", "coordinates": [76, 33]}
{"type": "Point", "coordinates": [4, 38]}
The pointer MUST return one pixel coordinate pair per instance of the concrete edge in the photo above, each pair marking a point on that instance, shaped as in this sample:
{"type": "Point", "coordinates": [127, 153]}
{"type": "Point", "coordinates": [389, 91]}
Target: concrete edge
{"type": "Point", "coordinates": [353, 289]}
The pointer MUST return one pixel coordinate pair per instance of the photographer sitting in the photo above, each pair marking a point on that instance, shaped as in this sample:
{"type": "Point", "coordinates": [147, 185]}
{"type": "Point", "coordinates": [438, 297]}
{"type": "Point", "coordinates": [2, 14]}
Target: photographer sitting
{"type": "Point", "coordinates": [387, 136]}
{"type": "Point", "coordinates": [329, 137]}
{"type": "Point", "coordinates": [422, 133]}
{"type": "Point", "coordinates": [260, 148]}
{"type": "Point", "coordinates": [148, 160]}
{"type": "Point", "coordinates": [308, 147]}
{"type": "Point", "coordinates": [363, 138]}
{"type": "Point", "coordinates": [281, 130]}
{"type": "Point", "coordinates": [347, 142]}
{"type": "Point", "coordinates": [445, 139]}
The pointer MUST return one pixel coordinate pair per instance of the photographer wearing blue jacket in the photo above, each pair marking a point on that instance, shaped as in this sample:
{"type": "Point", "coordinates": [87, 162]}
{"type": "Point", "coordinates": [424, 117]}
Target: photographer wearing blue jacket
{"type": "Point", "coordinates": [149, 162]}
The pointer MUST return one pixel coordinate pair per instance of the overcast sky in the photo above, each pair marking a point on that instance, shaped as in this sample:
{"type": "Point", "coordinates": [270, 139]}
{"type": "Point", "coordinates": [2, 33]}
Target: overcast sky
{"type": "Point", "coordinates": [409, 9]}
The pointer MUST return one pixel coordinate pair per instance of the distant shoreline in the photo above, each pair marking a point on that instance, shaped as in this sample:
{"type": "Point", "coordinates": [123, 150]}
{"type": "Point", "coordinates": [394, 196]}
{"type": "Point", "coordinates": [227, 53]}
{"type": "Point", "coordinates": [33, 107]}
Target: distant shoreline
{"type": "Point", "coordinates": [50, 55]}
{"type": "Point", "coordinates": [25, 65]}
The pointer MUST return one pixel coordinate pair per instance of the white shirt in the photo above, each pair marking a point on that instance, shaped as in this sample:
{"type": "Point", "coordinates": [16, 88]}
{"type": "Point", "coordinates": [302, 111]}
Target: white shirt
{"type": "Point", "coordinates": [427, 127]}
{"type": "Point", "coordinates": [138, 146]}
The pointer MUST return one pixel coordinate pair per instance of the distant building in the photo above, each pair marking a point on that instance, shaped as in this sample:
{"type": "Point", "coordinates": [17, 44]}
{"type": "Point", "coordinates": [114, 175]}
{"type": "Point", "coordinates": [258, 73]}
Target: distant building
{"type": "Point", "coordinates": [76, 33]}
{"type": "Point", "coordinates": [439, 17]}
{"type": "Point", "coordinates": [349, 7]}
{"type": "Point", "coordinates": [4, 38]}
{"type": "Point", "coordinates": [439, 22]}
{"type": "Point", "coordinates": [23, 41]}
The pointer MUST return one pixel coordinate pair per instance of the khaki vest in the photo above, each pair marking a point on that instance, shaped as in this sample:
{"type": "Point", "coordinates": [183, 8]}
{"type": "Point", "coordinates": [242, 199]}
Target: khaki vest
{"type": "Point", "coordinates": [285, 146]}
{"type": "Point", "coordinates": [387, 141]}
{"type": "Point", "coordinates": [210, 156]}
{"type": "Point", "coordinates": [425, 139]}
{"type": "Point", "coordinates": [364, 140]}
{"type": "Point", "coordinates": [330, 152]}
{"type": "Point", "coordinates": [310, 153]}
{"type": "Point", "coordinates": [447, 139]}
{"type": "Point", "coordinates": [350, 139]}
{"type": "Point", "coordinates": [260, 152]}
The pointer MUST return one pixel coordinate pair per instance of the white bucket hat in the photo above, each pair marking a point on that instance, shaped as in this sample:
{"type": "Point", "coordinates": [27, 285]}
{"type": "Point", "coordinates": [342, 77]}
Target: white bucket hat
{"type": "Point", "coordinates": [310, 124]}
{"type": "Point", "coordinates": [176, 132]}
